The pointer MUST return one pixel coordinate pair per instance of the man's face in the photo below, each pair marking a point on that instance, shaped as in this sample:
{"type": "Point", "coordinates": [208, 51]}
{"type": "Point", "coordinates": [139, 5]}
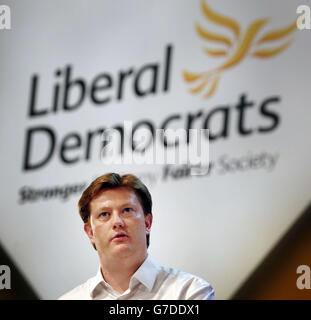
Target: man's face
{"type": "Point", "coordinates": [117, 224]}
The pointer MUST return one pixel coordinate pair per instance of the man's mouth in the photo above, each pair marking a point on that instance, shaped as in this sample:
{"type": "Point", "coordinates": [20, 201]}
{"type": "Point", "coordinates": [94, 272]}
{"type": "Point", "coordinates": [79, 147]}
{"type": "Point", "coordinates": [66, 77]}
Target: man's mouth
{"type": "Point", "coordinates": [119, 236]}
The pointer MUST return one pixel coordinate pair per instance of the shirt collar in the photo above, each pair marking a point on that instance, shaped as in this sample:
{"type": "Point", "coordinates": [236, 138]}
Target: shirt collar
{"type": "Point", "coordinates": [145, 274]}
{"type": "Point", "coordinates": [95, 281]}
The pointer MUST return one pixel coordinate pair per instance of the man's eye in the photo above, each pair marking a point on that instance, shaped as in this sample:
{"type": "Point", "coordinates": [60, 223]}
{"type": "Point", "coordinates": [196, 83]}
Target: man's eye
{"type": "Point", "coordinates": [104, 214]}
{"type": "Point", "coordinates": [128, 209]}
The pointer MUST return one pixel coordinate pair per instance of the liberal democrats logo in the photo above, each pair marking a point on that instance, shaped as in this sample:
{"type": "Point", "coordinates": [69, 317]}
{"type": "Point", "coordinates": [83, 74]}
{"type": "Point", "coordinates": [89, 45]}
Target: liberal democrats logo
{"type": "Point", "coordinates": [234, 49]}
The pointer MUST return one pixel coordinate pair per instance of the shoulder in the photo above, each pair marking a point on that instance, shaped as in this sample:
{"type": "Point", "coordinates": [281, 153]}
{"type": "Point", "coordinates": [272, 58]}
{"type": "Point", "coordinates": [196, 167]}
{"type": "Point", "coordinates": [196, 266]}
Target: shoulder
{"type": "Point", "coordinates": [187, 286]}
{"type": "Point", "coordinates": [81, 292]}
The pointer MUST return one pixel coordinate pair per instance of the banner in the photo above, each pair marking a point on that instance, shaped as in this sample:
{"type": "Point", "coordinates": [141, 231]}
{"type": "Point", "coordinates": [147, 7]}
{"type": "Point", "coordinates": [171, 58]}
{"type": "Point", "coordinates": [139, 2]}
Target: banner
{"type": "Point", "coordinates": [70, 70]}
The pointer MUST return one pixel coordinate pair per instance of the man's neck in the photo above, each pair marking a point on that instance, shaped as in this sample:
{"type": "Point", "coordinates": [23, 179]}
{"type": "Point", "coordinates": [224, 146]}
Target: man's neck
{"type": "Point", "coordinates": [118, 272]}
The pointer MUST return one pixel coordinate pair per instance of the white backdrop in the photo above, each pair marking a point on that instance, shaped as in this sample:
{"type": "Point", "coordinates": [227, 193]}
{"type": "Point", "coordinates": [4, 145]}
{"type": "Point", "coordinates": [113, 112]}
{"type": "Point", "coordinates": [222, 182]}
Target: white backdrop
{"type": "Point", "coordinates": [219, 226]}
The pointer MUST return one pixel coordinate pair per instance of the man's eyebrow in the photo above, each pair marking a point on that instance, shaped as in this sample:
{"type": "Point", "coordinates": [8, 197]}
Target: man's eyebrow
{"type": "Point", "coordinates": [102, 209]}
{"type": "Point", "coordinates": [126, 204]}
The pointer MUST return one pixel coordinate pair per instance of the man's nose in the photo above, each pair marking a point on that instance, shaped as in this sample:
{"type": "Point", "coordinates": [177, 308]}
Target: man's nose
{"type": "Point", "coordinates": [117, 221]}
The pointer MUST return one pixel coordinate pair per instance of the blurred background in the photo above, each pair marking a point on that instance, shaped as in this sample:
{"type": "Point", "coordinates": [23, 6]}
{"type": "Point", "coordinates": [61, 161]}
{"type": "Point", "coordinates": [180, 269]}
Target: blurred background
{"type": "Point", "coordinates": [69, 70]}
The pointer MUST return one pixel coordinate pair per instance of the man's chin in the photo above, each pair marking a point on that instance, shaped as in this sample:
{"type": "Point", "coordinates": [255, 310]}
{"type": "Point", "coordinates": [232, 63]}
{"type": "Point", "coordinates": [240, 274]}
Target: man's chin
{"type": "Point", "coordinates": [122, 246]}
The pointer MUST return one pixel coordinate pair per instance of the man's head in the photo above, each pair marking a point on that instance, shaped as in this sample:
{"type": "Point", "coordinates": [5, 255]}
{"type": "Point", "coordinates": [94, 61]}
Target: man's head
{"type": "Point", "coordinates": [117, 213]}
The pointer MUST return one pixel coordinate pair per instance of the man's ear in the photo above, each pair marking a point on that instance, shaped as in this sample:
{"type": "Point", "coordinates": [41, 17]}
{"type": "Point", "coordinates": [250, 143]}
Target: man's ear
{"type": "Point", "coordinates": [88, 230]}
{"type": "Point", "coordinates": [148, 222]}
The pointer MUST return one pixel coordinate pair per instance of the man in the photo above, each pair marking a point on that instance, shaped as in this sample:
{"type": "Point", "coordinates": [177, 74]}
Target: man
{"type": "Point", "coordinates": [117, 215]}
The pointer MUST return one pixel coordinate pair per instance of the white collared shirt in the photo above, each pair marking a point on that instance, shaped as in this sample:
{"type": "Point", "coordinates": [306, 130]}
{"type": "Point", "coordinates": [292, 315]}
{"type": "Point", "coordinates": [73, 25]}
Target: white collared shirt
{"type": "Point", "coordinates": [149, 282]}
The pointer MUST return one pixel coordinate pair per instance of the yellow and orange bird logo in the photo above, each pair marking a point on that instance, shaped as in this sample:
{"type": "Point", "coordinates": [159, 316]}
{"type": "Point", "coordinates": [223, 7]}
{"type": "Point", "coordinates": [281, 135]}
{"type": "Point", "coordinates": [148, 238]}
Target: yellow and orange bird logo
{"type": "Point", "coordinates": [243, 44]}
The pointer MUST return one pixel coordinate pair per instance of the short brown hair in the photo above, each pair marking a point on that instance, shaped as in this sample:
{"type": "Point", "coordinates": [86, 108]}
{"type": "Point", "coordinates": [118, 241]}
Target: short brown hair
{"type": "Point", "coordinates": [111, 181]}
